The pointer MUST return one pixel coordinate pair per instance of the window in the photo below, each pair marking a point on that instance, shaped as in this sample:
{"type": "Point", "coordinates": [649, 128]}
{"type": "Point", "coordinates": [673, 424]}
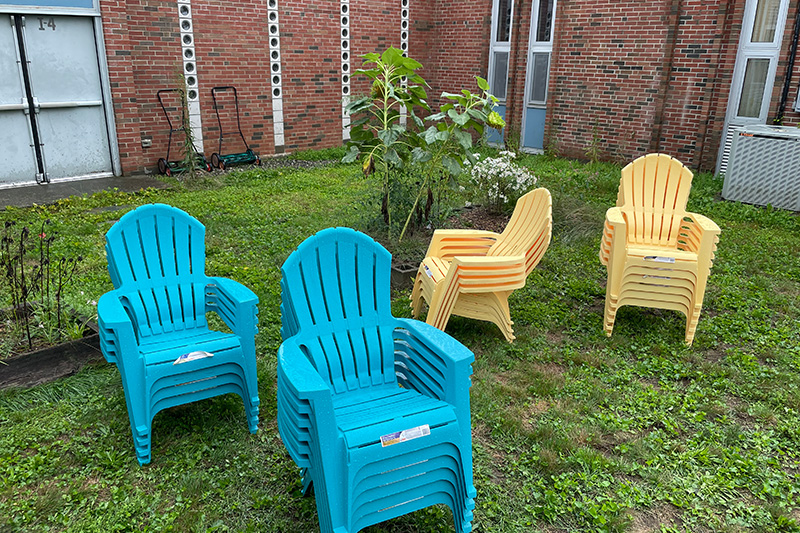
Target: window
{"type": "Point", "coordinates": [766, 21]}
{"type": "Point", "coordinates": [500, 48]}
{"type": "Point", "coordinates": [544, 26]}
{"type": "Point", "coordinates": [540, 66]}
{"type": "Point", "coordinates": [752, 95]}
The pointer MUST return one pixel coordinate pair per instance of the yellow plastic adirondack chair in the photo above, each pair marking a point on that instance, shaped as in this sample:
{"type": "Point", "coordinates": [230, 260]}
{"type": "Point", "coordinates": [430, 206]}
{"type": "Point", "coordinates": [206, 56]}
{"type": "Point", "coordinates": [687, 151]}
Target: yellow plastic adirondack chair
{"type": "Point", "coordinates": [470, 273]}
{"type": "Point", "coordinates": [657, 254]}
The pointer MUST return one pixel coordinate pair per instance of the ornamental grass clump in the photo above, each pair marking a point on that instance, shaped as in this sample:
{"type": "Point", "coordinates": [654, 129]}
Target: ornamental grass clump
{"type": "Point", "coordinates": [500, 181]}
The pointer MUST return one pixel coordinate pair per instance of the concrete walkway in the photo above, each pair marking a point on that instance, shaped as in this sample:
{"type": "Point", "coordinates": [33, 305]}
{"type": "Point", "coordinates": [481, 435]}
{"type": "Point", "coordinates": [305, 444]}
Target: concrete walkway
{"type": "Point", "coordinates": [52, 192]}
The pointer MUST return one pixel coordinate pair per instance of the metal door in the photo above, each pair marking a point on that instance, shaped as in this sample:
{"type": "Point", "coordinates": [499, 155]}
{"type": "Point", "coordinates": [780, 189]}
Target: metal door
{"type": "Point", "coordinates": [19, 158]}
{"type": "Point", "coordinates": [540, 48]}
{"type": "Point", "coordinates": [58, 72]}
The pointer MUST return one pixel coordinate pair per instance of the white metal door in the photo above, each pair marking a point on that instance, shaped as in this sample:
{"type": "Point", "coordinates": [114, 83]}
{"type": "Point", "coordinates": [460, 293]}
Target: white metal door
{"type": "Point", "coordinates": [58, 73]}
{"type": "Point", "coordinates": [540, 48]}
{"type": "Point", "coordinates": [19, 158]}
{"type": "Point", "coordinates": [754, 73]}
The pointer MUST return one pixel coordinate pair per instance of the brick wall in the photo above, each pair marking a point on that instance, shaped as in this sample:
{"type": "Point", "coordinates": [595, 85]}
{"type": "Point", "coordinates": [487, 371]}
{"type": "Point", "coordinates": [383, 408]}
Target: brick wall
{"type": "Point", "coordinates": [232, 49]}
{"type": "Point", "coordinates": [458, 45]}
{"type": "Point", "coordinates": [627, 76]}
{"type": "Point", "coordinates": [606, 76]}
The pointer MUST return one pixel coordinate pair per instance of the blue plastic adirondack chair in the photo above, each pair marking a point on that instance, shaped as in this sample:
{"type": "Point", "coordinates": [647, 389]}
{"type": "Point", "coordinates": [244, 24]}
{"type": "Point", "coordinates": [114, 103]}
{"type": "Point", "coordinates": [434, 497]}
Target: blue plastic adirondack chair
{"type": "Point", "coordinates": [153, 325]}
{"type": "Point", "coordinates": [373, 409]}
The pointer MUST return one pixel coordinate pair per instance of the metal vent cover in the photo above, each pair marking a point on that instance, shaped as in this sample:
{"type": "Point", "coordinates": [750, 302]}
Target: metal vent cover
{"type": "Point", "coordinates": [764, 167]}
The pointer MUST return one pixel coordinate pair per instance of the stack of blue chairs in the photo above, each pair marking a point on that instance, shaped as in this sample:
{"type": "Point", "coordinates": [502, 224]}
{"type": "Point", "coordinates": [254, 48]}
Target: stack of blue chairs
{"type": "Point", "coordinates": [373, 409]}
{"type": "Point", "coordinates": [153, 325]}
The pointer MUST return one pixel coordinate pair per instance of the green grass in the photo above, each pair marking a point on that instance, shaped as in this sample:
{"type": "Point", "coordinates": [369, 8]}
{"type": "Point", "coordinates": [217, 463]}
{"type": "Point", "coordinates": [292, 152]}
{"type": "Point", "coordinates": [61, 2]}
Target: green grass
{"type": "Point", "coordinates": [572, 431]}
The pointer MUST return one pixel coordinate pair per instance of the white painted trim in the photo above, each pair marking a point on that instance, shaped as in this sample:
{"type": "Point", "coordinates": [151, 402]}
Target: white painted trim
{"type": "Point", "coordinates": [494, 46]}
{"type": "Point", "coordinates": [747, 50]}
{"type": "Point", "coordinates": [275, 73]}
{"type": "Point", "coordinates": [108, 103]}
{"type": "Point", "coordinates": [346, 70]}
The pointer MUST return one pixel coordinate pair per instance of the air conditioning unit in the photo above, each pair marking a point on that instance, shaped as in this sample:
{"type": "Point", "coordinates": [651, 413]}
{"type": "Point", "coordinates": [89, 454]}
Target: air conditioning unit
{"type": "Point", "coordinates": [764, 167]}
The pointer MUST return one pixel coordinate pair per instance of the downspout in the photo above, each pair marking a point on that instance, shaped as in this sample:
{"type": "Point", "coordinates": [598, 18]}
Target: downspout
{"type": "Point", "coordinates": [666, 69]}
{"type": "Point", "coordinates": [787, 82]}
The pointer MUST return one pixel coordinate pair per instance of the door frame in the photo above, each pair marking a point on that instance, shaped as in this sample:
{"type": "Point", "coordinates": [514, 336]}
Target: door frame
{"type": "Point", "coordinates": [747, 50]}
{"type": "Point", "coordinates": [535, 46]}
{"type": "Point", "coordinates": [105, 89]}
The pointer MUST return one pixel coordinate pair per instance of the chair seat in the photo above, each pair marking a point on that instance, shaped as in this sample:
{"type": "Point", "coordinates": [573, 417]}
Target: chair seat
{"type": "Point", "coordinates": [165, 349]}
{"type": "Point", "coordinates": [635, 250]}
{"type": "Point", "coordinates": [364, 417]}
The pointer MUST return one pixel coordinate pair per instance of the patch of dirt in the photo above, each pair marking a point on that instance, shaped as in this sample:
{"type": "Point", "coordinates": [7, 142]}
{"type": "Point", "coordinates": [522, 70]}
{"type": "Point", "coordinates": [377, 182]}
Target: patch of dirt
{"type": "Point", "coordinates": [652, 520]}
{"type": "Point", "coordinates": [554, 338]}
{"type": "Point", "coordinates": [499, 459]}
{"type": "Point", "coordinates": [479, 218]}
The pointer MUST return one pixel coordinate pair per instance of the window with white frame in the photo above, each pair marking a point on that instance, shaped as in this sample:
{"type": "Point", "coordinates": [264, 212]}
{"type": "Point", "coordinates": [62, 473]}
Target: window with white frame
{"type": "Point", "coordinates": [500, 47]}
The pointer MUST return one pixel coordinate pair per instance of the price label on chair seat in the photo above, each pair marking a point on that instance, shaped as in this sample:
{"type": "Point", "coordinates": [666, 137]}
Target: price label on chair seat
{"type": "Point", "coordinates": [659, 259]}
{"type": "Point", "coordinates": [192, 356]}
{"type": "Point", "coordinates": [406, 434]}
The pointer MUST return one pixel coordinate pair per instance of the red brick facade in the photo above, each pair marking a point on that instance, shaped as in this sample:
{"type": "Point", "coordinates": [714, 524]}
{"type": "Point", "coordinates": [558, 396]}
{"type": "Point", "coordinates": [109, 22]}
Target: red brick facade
{"type": "Point", "coordinates": [627, 76]}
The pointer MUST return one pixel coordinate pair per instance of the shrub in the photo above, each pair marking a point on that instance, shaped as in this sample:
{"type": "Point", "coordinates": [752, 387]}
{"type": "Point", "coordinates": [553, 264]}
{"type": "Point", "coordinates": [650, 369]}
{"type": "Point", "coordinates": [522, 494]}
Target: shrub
{"type": "Point", "coordinates": [500, 181]}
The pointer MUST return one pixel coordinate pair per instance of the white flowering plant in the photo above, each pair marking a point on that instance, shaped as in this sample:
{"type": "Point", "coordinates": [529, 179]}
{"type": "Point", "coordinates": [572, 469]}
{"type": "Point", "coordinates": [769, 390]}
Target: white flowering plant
{"type": "Point", "coordinates": [500, 180]}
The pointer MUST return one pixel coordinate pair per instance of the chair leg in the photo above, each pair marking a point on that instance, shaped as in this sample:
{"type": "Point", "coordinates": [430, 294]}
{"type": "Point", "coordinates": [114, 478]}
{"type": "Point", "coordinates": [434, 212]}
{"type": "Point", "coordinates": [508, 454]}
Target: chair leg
{"type": "Point", "coordinates": [251, 411]}
{"type": "Point", "coordinates": [141, 442]}
{"type": "Point", "coordinates": [503, 315]}
{"type": "Point", "coordinates": [691, 325]}
{"type": "Point", "coordinates": [610, 315]}
{"type": "Point", "coordinates": [141, 424]}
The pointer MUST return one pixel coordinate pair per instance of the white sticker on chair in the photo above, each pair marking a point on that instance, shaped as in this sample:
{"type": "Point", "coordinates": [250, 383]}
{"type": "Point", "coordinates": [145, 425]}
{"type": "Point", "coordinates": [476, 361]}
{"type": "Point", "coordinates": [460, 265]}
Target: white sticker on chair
{"type": "Point", "coordinates": [192, 356]}
{"type": "Point", "coordinates": [659, 259]}
{"type": "Point", "coordinates": [428, 271]}
{"type": "Point", "coordinates": [406, 434]}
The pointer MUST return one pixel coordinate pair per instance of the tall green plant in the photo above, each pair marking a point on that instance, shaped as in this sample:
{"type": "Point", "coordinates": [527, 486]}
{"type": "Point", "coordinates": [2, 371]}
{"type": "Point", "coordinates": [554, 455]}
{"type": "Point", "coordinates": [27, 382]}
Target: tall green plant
{"type": "Point", "coordinates": [387, 144]}
{"type": "Point", "coordinates": [379, 136]}
{"type": "Point", "coordinates": [447, 143]}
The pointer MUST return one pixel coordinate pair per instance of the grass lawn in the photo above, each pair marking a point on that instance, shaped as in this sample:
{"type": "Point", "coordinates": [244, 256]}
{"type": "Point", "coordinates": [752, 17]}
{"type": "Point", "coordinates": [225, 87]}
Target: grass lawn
{"type": "Point", "coordinates": [572, 431]}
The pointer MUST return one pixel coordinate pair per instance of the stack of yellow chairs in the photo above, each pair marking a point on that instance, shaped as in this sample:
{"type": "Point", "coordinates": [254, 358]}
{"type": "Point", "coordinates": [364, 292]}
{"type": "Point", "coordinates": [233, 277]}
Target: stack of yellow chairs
{"type": "Point", "coordinates": [657, 254]}
{"type": "Point", "coordinates": [470, 273]}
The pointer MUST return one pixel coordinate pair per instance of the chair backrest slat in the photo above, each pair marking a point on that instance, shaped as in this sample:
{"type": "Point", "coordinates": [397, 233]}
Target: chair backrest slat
{"type": "Point", "coordinates": [159, 251]}
{"type": "Point", "coordinates": [653, 194]}
{"type": "Point", "coordinates": [335, 287]}
{"type": "Point", "coordinates": [529, 230]}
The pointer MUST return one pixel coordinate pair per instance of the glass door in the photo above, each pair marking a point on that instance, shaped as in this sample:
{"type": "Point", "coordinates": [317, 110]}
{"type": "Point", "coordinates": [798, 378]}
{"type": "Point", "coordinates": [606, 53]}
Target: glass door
{"type": "Point", "coordinates": [540, 49]}
{"type": "Point", "coordinates": [499, 53]}
{"type": "Point", "coordinates": [754, 73]}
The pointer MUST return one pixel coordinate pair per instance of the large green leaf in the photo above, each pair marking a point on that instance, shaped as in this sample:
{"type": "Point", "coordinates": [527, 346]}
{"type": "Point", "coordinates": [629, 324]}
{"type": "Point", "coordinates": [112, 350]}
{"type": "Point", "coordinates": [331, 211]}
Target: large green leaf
{"type": "Point", "coordinates": [463, 138]}
{"type": "Point", "coordinates": [393, 158]}
{"type": "Point", "coordinates": [418, 155]}
{"type": "Point", "coordinates": [388, 137]}
{"type": "Point", "coordinates": [452, 166]}
{"type": "Point", "coordinates": [393, 56]}
{"type": "Point", "coordinates": [351, 155]}
{"type": "Point", "coordinates": [482, 83]}
{"type": "Point", "coordinates": [459, 118]}
{"type": "Point", "coordinates": [430, 135]}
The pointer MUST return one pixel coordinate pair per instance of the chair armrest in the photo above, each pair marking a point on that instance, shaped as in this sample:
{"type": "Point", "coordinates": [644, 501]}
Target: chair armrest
{"type": "Point", "coordinates": [303, 399]}
{"type": "Point", "coordinates": [116, 328]}
{"type": "Point", "coordinates": [432, 362]}
{"type": "Point", "coordinates": [448, 243]}
{"type": "Point", "coordinates": [614, 226]}
{"type": "Point", "coordinates": [234, 303]}
{"type": "Point", "coordinates": [699, 234]}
